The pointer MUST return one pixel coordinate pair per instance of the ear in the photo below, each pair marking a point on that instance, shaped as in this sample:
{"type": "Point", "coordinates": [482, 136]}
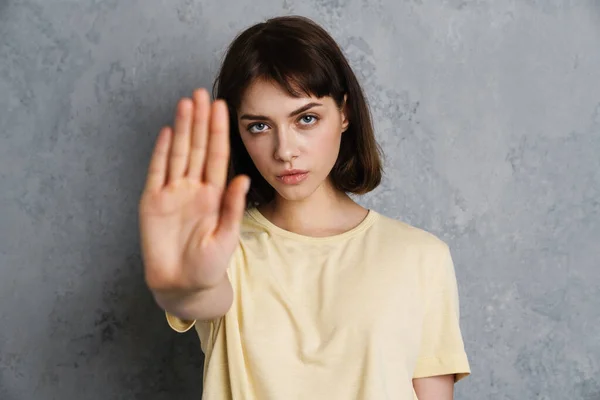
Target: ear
{"type": "Point", "coordinates": [344, 112]}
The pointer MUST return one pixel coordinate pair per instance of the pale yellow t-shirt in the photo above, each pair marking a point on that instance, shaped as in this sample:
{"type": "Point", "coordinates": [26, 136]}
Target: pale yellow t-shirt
{"type": "Point", "coordinates": [352, 316]}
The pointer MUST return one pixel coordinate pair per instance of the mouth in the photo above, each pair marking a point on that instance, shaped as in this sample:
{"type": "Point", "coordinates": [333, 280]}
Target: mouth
{"type": "Point", "coordinates": [292, 177]}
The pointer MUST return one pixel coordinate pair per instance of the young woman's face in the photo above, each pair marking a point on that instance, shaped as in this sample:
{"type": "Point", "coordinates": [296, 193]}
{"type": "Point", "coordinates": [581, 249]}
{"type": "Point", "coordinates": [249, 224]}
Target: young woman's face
{"type": "Point", "coordinates": [294, 142]}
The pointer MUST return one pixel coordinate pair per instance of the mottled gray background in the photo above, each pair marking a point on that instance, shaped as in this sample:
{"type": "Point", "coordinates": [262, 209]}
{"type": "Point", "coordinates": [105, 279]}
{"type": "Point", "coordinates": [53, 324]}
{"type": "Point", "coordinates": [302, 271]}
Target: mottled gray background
{"type": "Point", "coordinates": [489, 114]}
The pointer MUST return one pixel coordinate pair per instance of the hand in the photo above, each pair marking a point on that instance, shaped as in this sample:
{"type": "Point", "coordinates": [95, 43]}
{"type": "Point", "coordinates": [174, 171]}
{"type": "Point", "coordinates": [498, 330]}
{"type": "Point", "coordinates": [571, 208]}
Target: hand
{"type": "Point", "coordinates": [189, 221]}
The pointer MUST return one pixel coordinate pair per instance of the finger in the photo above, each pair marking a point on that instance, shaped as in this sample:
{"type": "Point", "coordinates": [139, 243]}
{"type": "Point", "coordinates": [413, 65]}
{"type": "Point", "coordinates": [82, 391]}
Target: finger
{"type": "Point", "coordinates": [233, 206]}
{"type": "Point", "coordinates": [199, 133]}
{"type": "Point", "coordinates": [178, 158]}
{"type": "Point", "coordinates": [215, 172]}
{"type": "Point", "coordinates": [157, 170]}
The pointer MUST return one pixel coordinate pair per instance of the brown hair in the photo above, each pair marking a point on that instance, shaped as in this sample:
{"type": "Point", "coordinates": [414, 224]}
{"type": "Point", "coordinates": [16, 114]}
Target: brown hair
{"type": "Point", "coordinates": [302, 58]}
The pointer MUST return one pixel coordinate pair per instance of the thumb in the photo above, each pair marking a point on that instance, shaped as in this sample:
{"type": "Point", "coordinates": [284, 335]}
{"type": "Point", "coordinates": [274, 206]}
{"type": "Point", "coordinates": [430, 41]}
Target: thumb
{"type": "Point", "coordinates": [233, 206]}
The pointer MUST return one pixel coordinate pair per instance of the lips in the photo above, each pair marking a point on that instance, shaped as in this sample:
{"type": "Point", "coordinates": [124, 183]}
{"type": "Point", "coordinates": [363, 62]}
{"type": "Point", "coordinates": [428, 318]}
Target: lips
{"type": "Point", "coordinates": [292, 172]}
{"type": "Point", "coordinates": [292, 177]}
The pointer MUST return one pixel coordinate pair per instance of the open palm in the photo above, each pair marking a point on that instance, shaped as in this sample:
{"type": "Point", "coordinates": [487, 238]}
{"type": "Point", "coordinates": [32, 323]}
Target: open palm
{"type": "Point", "coordinates": [189, 221]}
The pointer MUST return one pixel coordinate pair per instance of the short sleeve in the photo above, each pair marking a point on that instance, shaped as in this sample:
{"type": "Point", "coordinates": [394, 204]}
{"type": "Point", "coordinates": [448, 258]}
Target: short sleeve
{"type": "Point", "coordinates": [178, 324]}
{"type": "Point", "coordinates": [442, 349]}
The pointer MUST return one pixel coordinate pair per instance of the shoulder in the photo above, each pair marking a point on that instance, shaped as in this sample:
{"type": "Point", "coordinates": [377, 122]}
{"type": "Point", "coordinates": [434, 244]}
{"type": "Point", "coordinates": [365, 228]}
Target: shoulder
{"type": "Point", "coordinates": [251, 223]}
{"type": "Point", "coordinates": [412, 236]}
{"type": "Point", "coordinates": [429, 256]}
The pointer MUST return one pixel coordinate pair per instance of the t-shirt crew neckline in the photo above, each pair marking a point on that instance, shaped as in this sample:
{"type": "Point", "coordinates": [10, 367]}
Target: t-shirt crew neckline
{"type": "Point", "coordinates": [255, 214]}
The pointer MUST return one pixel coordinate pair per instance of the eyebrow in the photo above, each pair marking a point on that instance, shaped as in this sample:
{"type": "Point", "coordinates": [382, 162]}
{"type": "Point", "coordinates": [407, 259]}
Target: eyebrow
{"type": "Point", "coordinates": [293, 113]}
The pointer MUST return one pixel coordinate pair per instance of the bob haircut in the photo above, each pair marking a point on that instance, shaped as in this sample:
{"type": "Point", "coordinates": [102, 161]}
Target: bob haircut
{"type": "Point", "coordinates": [303, 59]}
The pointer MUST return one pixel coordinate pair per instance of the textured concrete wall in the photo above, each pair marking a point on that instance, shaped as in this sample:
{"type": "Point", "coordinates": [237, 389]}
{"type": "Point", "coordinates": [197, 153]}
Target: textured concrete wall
{"type": "Point", "coordinates": [489, 113]}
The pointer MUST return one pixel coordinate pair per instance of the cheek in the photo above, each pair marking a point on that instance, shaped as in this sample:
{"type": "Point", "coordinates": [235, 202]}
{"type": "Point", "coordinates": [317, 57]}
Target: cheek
{"type": "Point", "coordinates": [254, 152]}
{"type": "Point", "coordinates": [326, 143]}
{"type": "Point", "coordinates": [259, 153]}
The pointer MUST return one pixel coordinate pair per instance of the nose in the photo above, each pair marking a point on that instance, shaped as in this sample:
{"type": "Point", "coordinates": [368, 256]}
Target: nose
{"type": "Point", "coordinates": [286, 146]}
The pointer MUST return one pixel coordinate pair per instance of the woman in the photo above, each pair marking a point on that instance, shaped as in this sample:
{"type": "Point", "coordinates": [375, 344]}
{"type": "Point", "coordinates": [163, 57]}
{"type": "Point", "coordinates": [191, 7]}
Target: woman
{"type": "Point", "coordinates": [248, 233]}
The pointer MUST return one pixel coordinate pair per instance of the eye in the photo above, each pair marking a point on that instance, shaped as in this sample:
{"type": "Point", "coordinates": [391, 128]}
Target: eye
{"type": "Point", "coordinates": [257, 127]}
{"type": "Point", "coordinates": [308, 119]}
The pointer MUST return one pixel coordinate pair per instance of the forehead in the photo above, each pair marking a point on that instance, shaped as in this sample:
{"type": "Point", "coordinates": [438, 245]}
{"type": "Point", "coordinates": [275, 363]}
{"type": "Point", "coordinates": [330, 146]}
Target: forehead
{"type": "Point", "coordinates": [266, 96]}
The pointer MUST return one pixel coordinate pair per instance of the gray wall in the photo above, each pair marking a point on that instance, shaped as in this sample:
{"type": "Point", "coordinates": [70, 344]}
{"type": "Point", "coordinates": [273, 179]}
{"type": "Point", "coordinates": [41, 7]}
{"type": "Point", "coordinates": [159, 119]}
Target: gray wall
{"type": "Point", "coordinates": [489, 113]}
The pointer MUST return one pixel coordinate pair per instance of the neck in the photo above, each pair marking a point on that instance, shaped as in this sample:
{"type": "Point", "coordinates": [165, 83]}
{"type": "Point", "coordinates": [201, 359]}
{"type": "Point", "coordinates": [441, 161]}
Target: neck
{"type": "Point", "coordinates": [326, 212]}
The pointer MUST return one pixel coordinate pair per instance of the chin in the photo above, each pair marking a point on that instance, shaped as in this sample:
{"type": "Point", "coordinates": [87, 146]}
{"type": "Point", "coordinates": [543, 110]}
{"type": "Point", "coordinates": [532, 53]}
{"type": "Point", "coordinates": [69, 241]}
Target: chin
{"type": "Point", "coordinates": [294, 193]}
